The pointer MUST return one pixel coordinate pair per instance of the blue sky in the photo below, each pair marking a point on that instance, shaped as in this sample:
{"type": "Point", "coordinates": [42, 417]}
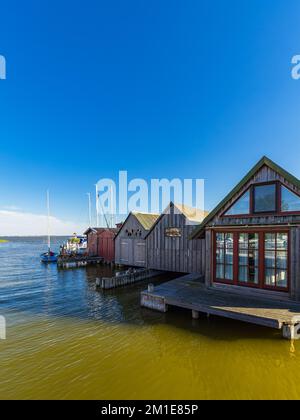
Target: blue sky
{"type": "Point", "coordinates": [184, 89]}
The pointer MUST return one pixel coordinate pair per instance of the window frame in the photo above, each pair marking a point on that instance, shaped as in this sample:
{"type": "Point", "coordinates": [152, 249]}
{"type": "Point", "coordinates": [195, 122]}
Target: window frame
{"type": "Point", "coordinates": [283, 213]}
{"type": "Point", "coordinates": [252, 200]}
{"type": "Point", "coordinates": [261, 255]}
{"type": "Point", "coordinates": [252, 212]}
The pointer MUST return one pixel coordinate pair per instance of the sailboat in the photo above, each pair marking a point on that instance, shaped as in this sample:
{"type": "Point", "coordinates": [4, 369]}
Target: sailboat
{"type": "Point", "coordinates": [49, 256]}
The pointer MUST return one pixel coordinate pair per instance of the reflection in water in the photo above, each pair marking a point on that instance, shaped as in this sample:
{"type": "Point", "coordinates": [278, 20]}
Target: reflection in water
{"type": "Point", "coordinates": [67, 340]}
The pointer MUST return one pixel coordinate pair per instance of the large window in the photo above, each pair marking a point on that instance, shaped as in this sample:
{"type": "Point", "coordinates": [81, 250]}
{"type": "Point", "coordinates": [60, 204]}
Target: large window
{"type": "Point", "coordinates": [276, 259]}
{"type": "Point", "coordinates": [264, 197]}
{"type": "Point", "coordinates": [289, 200]}
{"type": "Point", "coordinates": [224, 256]}
{"type": "Point", "coordinates": [257, 259]}
{"type": "Point", "coordinates": [248, 258]}
{"type": "Point", "coordinates": [241, 206]}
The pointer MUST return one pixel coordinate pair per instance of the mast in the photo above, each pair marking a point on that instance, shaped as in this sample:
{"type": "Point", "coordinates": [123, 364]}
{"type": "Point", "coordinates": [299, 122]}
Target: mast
{"type": "Point", "coordinates": [48, 220]}
{"type": "Point", "coordinates": [90, 209]}
{"type": "Point", "coordinates": [97, 207]}
{"type": "Point", "coordinates": [111, 207]}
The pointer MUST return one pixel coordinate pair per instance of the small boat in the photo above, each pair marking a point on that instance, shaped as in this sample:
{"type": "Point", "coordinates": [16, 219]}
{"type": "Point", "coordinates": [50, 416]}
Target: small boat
{"type": "Point", "coordinates": [49, 256]}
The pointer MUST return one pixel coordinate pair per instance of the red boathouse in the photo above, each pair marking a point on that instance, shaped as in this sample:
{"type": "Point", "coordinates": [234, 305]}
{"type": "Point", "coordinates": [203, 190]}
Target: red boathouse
{"type": "Point", "coordinates": [100, 242]}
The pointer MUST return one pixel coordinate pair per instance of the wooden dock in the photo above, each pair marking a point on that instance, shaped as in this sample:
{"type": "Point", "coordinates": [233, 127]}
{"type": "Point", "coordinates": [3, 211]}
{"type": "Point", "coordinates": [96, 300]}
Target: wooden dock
{"type": "Point", "coordinates": [189, 293]}
{"type": "Point", "coordinates": [123, 279]}
{"type": "Point", "coordinates": [77, 261]}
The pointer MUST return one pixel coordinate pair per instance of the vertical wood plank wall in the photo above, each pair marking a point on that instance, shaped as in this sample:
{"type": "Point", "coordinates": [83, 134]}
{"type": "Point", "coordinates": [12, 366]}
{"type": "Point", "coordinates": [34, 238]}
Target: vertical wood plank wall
{"type": "Point", "coordinates": [177, 254]}
{"type": "Point", "coordinates": [131, 250]}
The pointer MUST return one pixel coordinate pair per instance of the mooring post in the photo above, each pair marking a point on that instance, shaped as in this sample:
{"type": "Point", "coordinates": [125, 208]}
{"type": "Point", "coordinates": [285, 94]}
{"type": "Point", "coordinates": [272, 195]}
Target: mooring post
{"type": "Point", "coordinates": [291, 332]}
{"type": "Point", "coordinates": [195, 314]}
{"type": "Point", "coordinates": [150, 287]}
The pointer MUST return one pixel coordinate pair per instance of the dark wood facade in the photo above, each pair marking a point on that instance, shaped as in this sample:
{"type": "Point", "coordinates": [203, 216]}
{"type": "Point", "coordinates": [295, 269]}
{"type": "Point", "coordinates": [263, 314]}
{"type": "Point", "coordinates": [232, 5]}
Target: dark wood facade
{"type": "Point", "coordinates": [168, 245]}
{"type": "Point", "coordinates": [130, 244]}
{"type": "Point", "coordinates": [261, 249]}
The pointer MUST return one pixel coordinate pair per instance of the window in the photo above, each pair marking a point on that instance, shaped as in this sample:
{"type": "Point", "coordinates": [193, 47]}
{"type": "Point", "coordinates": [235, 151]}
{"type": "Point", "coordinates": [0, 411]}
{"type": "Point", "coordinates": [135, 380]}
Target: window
{"type": "Point", "coordinates": [258, 259]}
{"type": "Point", "coordinates": [289, 200]}
{"type": "Point", "coordinates": [264, 198]}
{"type": "Point", "coordinates": [224, 256]}
{"type": "Point", "coordinates": [248, 258]}
{"type": "Point", "coordinates": [276, 259]}
{"type": "Point", "coordinates": [173, 232]}
{"type": "Point", "coordinates": [241, 206]}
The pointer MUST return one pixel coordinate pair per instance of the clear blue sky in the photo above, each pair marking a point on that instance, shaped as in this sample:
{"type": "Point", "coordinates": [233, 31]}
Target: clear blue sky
{"type": "Point", "coordinates": [188, 88]}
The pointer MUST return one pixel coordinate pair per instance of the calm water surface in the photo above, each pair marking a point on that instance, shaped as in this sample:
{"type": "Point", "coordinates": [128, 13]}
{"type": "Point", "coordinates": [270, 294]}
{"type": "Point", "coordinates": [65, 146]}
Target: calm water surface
{"type": "Point", "coordinates": [66, 340]}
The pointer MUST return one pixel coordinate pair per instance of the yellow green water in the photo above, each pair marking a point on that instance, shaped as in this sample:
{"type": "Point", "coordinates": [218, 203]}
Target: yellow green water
{"type": "Point", "coordinates": [65, 340]}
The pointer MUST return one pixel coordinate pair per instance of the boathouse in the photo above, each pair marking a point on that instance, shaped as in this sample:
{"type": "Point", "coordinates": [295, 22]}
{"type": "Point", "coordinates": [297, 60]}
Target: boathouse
{"type": "Point", "coordinates": [92, 234]}
{"type": "Point", "coordinates": [100, 242]}
{"type": "Point", "coordinates": [130, 243]}
{"type": "Point", "coordinates": [252, 237]}
{"type": "Point", "coordinates": [168, 245]}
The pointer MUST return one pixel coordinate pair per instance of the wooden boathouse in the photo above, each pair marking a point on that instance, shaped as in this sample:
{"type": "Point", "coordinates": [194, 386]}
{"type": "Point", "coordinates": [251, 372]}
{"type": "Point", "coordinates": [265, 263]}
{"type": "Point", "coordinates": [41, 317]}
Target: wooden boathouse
{"type": "Point", "coordinates": [100, 242]}
{"type": "Point", "coordinates": [92, 234]}
{"type": "Point", "coordinates": [130, 243]}
{"type": "Point", "coordinates": [252, 255]}
{"type": "Point", "coordinates": [168, 245]}
{"type": "Point", "coordinates": [253, 236]}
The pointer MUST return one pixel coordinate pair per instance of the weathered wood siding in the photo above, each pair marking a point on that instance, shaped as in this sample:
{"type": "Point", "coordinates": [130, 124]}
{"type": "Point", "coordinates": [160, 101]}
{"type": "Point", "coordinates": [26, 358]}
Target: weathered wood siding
{"type": "Point", "coordinates": [106, 245]}
{"type": "Point", "coordinates": [208, 257]}
{"type": "Point", "coordinates": [131, 250]}
{"type": "Point", "coordinates": [92, 244]}
{"type": "Point", "coordinates": [295, 262]}
{"type": "Point", "coordinates": [177, 254]}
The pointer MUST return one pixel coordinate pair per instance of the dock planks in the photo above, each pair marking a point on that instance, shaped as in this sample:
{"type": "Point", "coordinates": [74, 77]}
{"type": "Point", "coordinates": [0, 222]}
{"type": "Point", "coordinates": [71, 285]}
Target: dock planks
{"type": "Point", "coordinates": [189, 293]}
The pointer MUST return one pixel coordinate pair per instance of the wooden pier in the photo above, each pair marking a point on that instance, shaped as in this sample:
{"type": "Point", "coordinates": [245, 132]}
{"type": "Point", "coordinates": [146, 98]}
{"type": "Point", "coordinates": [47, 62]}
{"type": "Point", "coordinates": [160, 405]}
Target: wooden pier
{"type": "Point", "coordinates": [189, 293]}
{"type": "Point", "coordinates": [77, 261]}
{"type": "Point", "coordinates": [123, 279]}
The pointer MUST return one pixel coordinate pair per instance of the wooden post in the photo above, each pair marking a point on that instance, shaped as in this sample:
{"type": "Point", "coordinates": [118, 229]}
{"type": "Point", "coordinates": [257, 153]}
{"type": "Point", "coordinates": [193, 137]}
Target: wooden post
{"type": "Point", "coordinates": [195, 314]}
{"type": "Point", "coordinates": [291, 332]}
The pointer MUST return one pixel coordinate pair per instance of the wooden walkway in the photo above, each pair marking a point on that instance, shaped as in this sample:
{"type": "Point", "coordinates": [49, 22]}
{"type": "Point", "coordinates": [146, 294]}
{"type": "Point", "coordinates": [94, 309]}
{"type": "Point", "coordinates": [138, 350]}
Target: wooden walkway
{"type": "Point", "coordinates": [187, 292]}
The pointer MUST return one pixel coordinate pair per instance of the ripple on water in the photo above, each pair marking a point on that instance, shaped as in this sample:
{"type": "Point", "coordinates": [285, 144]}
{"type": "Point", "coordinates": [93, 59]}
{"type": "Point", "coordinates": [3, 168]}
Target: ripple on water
{"type": "Point", "coordinates": [66, 340]}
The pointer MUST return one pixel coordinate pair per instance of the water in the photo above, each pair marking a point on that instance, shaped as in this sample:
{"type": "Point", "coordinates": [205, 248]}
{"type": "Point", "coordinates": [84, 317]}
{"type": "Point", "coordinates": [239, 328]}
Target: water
{"type": "Point", "coordinates": [66, 340]}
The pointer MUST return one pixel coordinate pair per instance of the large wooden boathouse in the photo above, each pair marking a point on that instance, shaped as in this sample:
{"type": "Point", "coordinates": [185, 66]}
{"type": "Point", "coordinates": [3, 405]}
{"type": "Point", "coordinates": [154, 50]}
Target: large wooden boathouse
{"type": "Point", "coordinates": [168, 245]}
{"type": "Point", "coordinates": [253, 236]}
{"type": "Point", "coordinates": [252, 255]}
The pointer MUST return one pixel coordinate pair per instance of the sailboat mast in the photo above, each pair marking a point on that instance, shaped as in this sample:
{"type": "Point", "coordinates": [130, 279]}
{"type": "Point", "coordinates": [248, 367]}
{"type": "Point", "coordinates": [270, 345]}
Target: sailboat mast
{"type": "Point", "coordinates": [90, 209]}
{"type": "Point", "coordinates": [48, 220]}
{"type": "Point", "coordinates": [97, 207]}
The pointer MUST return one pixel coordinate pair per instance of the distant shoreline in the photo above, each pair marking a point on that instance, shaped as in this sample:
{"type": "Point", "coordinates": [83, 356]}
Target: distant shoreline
{"type": "Point", "coordinates": [33, 236]}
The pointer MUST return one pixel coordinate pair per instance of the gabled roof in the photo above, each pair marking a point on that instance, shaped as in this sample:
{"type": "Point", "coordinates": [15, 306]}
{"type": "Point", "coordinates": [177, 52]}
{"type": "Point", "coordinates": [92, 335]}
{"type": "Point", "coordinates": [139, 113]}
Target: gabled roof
{"type": "Point", "coordinates": [191, 213]}
{"type": "Point", "coordinates": [93, 229]}
{"type": "Point", "coordinates": [265, 161]}
{"type": "Point", "coordinates": [146, 220]}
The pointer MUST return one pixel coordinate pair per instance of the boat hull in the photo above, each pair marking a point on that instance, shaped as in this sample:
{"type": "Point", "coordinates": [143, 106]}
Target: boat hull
{"type": "Point", "coordinates": [48, 258]}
